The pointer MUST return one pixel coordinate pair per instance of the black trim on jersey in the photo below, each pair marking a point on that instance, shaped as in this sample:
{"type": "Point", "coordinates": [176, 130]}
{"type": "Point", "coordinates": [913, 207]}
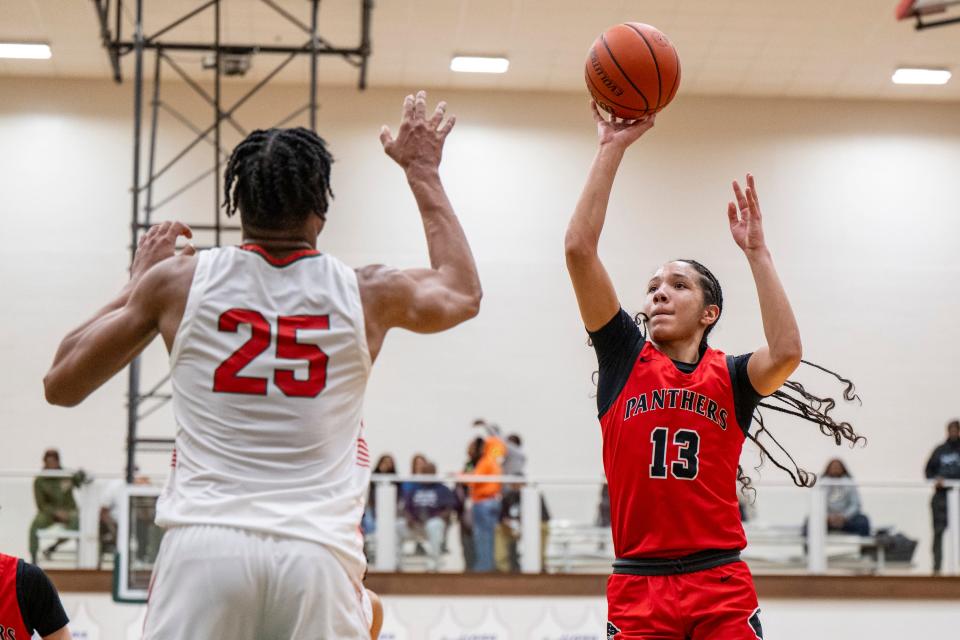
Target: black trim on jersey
{"type": "Point", "coordinates": [754, 622]}
{"type": "Point", "coordinates": [699, 561]}
{"type": "Point", "coordinates": [745, 397]}
{"type": "Point", "coordinates": [39, 602]}
{"type": "Point", "coordinates": [618, 344]}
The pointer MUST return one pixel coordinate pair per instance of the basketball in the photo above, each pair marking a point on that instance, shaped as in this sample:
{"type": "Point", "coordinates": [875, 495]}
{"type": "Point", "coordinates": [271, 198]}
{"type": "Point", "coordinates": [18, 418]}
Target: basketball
{"type": "Point", "coordinates": [632, 70]}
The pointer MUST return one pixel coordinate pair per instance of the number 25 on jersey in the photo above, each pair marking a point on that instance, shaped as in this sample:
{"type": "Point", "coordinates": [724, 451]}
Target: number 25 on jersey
{"type": "Point", "coordinates": [227, 378]}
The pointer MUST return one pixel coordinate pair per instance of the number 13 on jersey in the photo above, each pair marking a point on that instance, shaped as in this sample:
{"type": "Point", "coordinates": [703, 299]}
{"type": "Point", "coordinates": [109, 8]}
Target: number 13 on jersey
{"type": "Point", "coordinates": [687, 464]}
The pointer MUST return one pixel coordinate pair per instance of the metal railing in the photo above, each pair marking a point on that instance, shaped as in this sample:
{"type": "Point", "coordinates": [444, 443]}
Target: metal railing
{"type": "Point", "coordinates": [815, 538]}
{"type": "Point", "coordinates": [17, 508]}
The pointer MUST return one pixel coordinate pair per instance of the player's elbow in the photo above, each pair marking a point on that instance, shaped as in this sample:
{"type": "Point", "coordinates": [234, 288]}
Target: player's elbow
{"type": "Point", "coordinates": [58, 393]}
{"type": "Point", "coordinates": [578, 247]}
{"type": "Point", "coordinates": [789, 356]}
{"type": "Point", "coordinates": [471, 304]}
{"type": "Point", "coordinates": [466, 307]}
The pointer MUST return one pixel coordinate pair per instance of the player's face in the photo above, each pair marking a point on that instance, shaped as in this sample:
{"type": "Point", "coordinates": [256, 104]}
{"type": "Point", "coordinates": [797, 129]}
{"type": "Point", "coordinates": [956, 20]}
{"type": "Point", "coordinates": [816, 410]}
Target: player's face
{"type": "Point", "coordinates": [953, 433]}
{"type": "Point", "coordinates": [674, 303]}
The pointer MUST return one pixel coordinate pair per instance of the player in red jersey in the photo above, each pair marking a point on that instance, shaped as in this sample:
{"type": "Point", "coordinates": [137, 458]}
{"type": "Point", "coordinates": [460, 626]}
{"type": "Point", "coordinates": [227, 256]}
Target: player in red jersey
{"type": "Point", "coordinates": [30, 606]}
{"type": "Point", "coordinates": [674, 414]}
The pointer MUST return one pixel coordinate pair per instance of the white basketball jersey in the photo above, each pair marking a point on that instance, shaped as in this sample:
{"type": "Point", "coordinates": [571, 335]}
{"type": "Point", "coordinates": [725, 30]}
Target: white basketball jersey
{"type": "Point", "coordinates": [269, 367]}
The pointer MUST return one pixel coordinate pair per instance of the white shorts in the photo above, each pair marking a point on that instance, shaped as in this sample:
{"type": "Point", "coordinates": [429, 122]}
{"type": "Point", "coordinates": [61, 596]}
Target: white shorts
{"type": "Point", "coordinates": [214, 583]}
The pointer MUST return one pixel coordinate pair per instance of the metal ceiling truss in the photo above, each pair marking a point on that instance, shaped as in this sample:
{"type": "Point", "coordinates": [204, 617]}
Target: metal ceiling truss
{"type": "Point", "coordinates": [118, 44]}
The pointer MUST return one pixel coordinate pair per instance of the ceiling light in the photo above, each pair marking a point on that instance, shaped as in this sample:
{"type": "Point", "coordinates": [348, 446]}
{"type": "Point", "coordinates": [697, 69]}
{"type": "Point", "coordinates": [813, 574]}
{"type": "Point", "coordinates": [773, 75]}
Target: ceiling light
{"type": "Point", "coordinates": [479, 64]}
{"type": "Point", "coordinates": [27, 51]}
{"type": "Point", "coordinates": [921, 76]}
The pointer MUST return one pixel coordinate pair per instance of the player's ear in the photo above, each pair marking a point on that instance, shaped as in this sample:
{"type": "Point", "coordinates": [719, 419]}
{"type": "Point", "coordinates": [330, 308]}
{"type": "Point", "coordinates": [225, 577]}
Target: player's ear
{"type": "Point", "coordinates": [711, 313]}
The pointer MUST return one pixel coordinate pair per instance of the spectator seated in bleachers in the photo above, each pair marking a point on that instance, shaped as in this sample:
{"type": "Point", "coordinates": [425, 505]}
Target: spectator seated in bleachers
{"type": "Point", "coordinates": [55, 504]}
{"type": "Point", "coordinates": [425, 514]}
{"type": "Point", "coordinates": [843, 503]}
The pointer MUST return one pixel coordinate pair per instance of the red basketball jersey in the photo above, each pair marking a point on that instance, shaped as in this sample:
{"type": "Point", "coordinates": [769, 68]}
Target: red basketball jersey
{"type": "Point", "coordinates": [11, 619]}
{"type": "Point", "coordinates": [671, 446]}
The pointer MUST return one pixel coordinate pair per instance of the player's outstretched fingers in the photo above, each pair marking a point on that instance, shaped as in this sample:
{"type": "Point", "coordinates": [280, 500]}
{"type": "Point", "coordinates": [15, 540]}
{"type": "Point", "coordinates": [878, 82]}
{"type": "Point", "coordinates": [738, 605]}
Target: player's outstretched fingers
{"type": "Point", "coordinates": [448, 126]}
{"type": "Point", "coordinates": [732, 214]}
{"type": "Point", "coordinates": [741, 199]}
{"type": "Point", "coordinates": [407, 109]}
{"type": "Point", "coordinates": [386, 137]}
{"type": "Point", "coordinates": [420, 105]}
{"type": "Point", "coordinates": [596, 112]}
{"type": "Point", "coordinates": [437, 116]}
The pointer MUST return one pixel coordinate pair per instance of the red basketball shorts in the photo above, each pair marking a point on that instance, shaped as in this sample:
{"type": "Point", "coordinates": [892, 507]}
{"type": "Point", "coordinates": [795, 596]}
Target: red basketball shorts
{"type": "Point", "coordinates": [715, 604]}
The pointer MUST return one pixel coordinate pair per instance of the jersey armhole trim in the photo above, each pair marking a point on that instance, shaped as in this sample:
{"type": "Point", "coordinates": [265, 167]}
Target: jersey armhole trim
{"type": "Point", "coordinates": [637, 350]}
{"type": "Point", "coordinates": [361, 328]}
{"type": "Point", "coordinates": [18, 582]}
{"type": "Point", "coordinates": [735, 386]}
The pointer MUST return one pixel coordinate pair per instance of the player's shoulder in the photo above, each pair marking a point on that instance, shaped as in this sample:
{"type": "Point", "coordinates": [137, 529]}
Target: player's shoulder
{"type": "Point", "coordinates": [377, 274]}
{"type": "Point", "coordinates": [382, 283]}
{"type": "Point", "coordinates": [31, 578]}
{"type": "Point", "coordinates": [173, 270]}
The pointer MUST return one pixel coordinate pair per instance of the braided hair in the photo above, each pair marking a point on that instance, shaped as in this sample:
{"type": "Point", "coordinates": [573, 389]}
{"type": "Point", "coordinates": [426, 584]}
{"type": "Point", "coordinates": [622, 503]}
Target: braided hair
{"type": "Point", "coordinates": [712, 294]}
{"type": "Point", "coordinates": [791, 398]}
{"type": "Point", "coordinates": [278, 177]}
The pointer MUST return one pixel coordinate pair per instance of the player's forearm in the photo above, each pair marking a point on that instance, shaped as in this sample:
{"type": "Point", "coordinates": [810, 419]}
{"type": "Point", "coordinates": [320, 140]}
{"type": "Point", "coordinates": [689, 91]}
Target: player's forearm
{"type": "Point", "coordinates": [74, 336]}
{"type": "Point", "coordinates": [447, 245]}
{"type": "Point", "coordinates": [779, 324]}
{"type": "Point", "coordinates": [583, 232]}
{"type": "Point", "coordinates": [103, 349]}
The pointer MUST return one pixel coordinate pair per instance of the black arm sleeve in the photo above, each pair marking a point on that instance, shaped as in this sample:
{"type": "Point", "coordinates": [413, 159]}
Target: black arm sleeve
{"type": "Point", "coordinates": [745, 397]}
{"type": "Point", "coordinates": [617, 343]}
{"type": "Point", "coordinates": [38, 599]}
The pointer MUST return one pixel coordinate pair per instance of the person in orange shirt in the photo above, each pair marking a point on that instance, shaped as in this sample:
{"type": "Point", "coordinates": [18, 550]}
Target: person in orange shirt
{"type": "Point", "coordinates": [486, 502]}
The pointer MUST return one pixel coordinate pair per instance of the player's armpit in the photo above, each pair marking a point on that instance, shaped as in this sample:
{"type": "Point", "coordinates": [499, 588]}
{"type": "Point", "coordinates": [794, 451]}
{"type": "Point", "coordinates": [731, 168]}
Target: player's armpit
{"type": "Point", "coordinates": [766, 373]}
{"type": "Point", "coordinates": [108, 343]}
{"type": "Point", "coordinates": [595, 293]}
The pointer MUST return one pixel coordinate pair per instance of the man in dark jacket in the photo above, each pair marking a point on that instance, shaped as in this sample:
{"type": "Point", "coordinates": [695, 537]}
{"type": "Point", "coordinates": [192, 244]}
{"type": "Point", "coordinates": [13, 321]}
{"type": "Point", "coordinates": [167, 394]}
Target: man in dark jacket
{"type": "Point", "coordinates": [944, 464]}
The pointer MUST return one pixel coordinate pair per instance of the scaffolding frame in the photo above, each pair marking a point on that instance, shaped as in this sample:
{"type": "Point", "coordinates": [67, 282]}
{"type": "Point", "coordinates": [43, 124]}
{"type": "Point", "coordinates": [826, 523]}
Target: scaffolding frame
{"type": "Point", "coordinates": [110, 15]}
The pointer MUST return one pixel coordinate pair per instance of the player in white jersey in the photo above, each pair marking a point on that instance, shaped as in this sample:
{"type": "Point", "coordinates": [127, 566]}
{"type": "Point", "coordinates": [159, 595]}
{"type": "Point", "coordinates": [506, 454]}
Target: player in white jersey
{"type": "Point", "coordinates": [270, 346]}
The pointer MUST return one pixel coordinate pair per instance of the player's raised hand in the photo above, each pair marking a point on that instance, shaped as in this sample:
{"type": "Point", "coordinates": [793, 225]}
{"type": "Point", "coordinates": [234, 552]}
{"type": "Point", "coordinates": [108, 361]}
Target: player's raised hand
{"type": "Point", "coordinates": [620, 132]}
{"type": "Point", "coordinates": [158, 244]}
{"type": "Point", "coordinates": [746, 222]}
{"type": "Point", "coordinates": [419, 141]}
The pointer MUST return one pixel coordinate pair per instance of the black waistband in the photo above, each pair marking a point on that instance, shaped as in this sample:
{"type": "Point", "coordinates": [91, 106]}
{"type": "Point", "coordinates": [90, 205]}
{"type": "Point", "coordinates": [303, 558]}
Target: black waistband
{"type": "Point", "coordinates": [700, 561]}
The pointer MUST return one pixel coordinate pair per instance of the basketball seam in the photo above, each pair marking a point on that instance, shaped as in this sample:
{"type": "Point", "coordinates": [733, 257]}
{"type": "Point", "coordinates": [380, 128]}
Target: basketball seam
{"type": "Point", "coordinates": [619, 104]}
{"type": "Point", "coordinates": [656, 64]}
{"type": "Point", "coordinates": [603, 39]}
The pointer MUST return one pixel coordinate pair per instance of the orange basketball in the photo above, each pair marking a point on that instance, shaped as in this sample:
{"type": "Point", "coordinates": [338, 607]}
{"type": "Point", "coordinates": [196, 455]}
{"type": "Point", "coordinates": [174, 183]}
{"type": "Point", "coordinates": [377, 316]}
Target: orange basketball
{"type": "Point", "coordinates": [632, 70]}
